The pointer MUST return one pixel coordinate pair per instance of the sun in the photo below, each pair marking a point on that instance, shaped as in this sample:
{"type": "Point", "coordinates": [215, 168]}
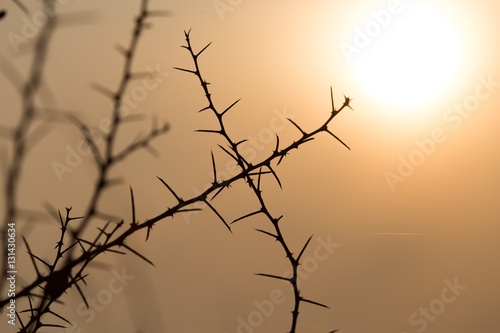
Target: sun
{"type": "Point", "coordinates": [414, 59]}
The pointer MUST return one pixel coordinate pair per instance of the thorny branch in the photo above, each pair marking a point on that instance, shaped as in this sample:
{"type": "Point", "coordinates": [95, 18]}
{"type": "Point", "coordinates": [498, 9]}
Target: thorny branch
{"type": "Point", "coordinates": [109, 158]}
{"type": "Point", "coordinates": [21, 132]}
{"type": "Point", "coordinates": [104, 160]}
{"type": "Point", "coordinates": [246, 169]}
{"type": "Point", "coordinates": [61, 275]}
{"type": "Point", "coordinates": [58, 281]}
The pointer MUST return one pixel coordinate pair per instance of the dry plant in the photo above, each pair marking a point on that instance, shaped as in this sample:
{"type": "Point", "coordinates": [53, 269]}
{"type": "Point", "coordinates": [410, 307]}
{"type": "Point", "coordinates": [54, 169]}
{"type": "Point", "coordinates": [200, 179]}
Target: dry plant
{"type": "Point", "coordinates": [23, 133]}
{"type": "Point", "coordinates": [74, 251]}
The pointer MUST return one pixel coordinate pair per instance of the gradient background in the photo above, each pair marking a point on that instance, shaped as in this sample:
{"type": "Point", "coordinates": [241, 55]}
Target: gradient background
{"type": "Point", "coordinates": [275, 55]}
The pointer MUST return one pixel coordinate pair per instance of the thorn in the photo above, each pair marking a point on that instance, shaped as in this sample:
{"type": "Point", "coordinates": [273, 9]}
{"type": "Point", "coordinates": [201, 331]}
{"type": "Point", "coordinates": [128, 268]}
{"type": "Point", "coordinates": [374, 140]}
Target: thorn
{"type": "Point", "coordinates": [59, 316]}
{"type": "Point", "coordinates": [103, 90]}
{"type": "Point", "coordinates": [152, 150]}
{"type": "Point", "coordinates": [138, 254]}
{"type": "Point", "coordinates": [275, 221]}
{"type": "Point", "coordinates": [209, 131]}
{"type": "Point", "coordinates": [331, 94]}
{"type": "Point", "coordinates": [304, 248]}
{"type": "Point", "coordinates": [134, 221]}
{"type": "Point", "coordinates": [219, 191]}
{"type": "Point", "coordinates": [257, 173]}
{"type": "Point", "coordinates": [120, 48]}
{"type": "Point", "coordinates": [186, 70]}
{"type": "Point", "coordinates": [312, 302]}
{"type": "Point", "coordinates": [258, 179]}
{"type": "Point", "coordinates": [103, 231]}
{"type": "Point", "coordinates": [300, 129]}
{"type": "Point", "coordinates": [31, 305]}
{"type": "Point", "coordinates": [215, 170]}
{"type": "Point", "coordinates": [274, 174]}
{"type": "Point", "coordinates": [217, 213]}
{"type": "Point", "coordinates": [267, 233]}
{"type": "Point", "coordinates": [68, 248]}
{"type": "Point", "coordinates": [81, 246]}
{"type": "Point", "coordinates": [247, 215]}
{"type": "Point", "coordinates": [23, 328]}
{"type": "Point", "coordinates": [114, 251]}
{"type": "Point", "coordinates": [82, 295]}
{"type": "Point", "coordinates": [117, 226]}
{"type": "Point", "coordinates": [162, 13]}
{"type": "Point", "coordinates": [205, 108]}
{"type": "Point", "coordinates": [197, 55]}
{"type": "Point", "coordinates": [328, 131]}
{"type": "Point", "coordinates": [281, 158]}
{"type": "Point", "coordinates": [240, 142]}
{"type": "Point", "coordinates": [274, 277]}
{"type": "Point", "coordinates": [170, 189]}
{"type": "Point", "coordinates": [150, 227]}
{"type": "Point", "coordinates": [31, 256]}
{"type": "Point", "coordinates": [230, 154]}
{"type": "Point", "coordinates": [189, 210]}
{"type": "Point", "coordinates": [115, 181]}
{"type": "Point", "coordinates": [230, 107]}
{"type": "Point", "coordinates": [61, 219]}
{"type": "Point", "coordinates": [21, 6]}
{"type": "Point", "coordinates": [52, 325]}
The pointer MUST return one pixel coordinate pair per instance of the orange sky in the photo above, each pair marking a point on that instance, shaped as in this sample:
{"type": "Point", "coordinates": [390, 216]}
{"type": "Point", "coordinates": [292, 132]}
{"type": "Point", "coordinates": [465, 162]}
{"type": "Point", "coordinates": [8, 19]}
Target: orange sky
{"type": "Point", "coordinates": [427, 170]}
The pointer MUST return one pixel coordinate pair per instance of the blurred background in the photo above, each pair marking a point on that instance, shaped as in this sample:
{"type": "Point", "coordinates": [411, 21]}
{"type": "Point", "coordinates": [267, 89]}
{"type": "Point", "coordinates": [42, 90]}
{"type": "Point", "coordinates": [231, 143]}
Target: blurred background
{"type": "Point", "coordinates": [409, 212]}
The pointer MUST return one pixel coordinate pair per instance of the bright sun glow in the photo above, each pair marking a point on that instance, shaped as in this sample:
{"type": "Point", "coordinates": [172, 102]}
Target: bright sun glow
{"type": "Point", "coordinates": [412, 60]}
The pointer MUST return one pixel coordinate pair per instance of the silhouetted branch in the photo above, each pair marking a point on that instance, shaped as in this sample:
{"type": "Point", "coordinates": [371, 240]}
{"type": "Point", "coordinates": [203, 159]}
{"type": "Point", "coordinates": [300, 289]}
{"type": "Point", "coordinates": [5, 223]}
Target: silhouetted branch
{"type": "Point", "coordinates": [64, 274]}
{"type": "Point", "coordinates": [247, 171]}
{"type": "Point", "coordinates": [139, 144]}
{"type": "Point", "coordinates": [21, 131]}
{"type": "Point", "coordinates": [108, 159]}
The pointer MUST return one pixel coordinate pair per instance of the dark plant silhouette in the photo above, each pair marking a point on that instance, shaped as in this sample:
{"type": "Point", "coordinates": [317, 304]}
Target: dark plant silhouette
{"type": "Point", "coordinates": [75, 249]}
{"type": "Point", "coordinates": [254, 180]}
{"type": "Point", "coordinates": [23, 134]}
{"type": "Point", "coordinates": [105, 160]}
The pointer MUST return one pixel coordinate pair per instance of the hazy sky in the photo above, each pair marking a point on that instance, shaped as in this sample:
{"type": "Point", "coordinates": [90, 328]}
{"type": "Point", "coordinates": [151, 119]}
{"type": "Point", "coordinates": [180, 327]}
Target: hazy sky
{"type": "Point", "coordinates": [405, 224]}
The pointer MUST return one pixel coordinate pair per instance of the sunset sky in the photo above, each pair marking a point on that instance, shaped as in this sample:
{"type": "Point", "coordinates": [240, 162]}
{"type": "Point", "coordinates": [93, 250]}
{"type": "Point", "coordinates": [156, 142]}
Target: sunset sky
{"type": "Point", "coordinates": [406, 224]}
